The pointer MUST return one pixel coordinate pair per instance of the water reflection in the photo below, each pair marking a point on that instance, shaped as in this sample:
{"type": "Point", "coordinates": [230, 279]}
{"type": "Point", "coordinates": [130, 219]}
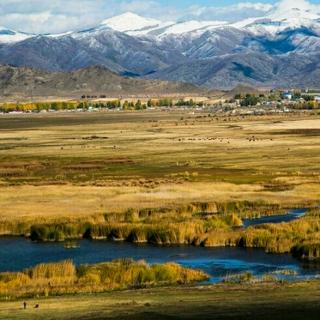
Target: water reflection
{"type": "Point", "coordinates": [17, 254]}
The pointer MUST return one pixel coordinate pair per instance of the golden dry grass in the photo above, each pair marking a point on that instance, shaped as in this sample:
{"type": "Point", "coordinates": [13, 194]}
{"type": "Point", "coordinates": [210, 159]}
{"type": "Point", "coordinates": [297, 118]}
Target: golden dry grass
{"type": "Point", "coordinates": [81, 165]}
{"type": "Point", "coordinates": [64, 277]}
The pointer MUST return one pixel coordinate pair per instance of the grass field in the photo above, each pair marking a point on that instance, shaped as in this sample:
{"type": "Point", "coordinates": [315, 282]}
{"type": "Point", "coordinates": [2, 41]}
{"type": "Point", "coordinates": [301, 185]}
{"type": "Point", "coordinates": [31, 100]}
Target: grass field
{"type": "Point", "coordinates": [86, 164]}
{"type": "Point", "coordinates": [159, 176]}
{"type": "Point", "coordinates": [294, 301]}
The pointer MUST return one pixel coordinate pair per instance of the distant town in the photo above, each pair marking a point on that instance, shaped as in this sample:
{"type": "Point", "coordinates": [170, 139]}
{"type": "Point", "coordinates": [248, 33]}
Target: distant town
{"type": "Point", "coordinates": [274, 101]}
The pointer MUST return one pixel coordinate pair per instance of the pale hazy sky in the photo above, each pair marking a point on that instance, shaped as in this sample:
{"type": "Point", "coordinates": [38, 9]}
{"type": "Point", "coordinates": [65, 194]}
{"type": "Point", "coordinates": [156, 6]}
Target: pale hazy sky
{"type": "Point", "coordinates": [55, 16]}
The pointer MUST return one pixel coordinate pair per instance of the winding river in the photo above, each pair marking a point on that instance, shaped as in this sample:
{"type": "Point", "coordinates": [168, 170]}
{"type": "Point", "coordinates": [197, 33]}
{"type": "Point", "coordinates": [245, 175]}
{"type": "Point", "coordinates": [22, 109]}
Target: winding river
{"type": "Point", "coordinates": [292, 215]}
{"type": "Point", "coordinates": [18, 253]}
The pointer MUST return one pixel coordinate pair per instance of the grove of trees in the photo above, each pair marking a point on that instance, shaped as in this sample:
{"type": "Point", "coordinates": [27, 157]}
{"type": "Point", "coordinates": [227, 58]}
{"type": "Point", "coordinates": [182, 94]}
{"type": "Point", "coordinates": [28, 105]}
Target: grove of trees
{"type": "Point", "coordinates": [87, 105]}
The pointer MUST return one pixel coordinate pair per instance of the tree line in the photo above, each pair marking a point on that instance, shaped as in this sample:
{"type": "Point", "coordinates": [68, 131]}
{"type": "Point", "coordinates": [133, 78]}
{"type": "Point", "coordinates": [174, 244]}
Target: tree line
{"type": "Point", "coordinates": [86, 105]}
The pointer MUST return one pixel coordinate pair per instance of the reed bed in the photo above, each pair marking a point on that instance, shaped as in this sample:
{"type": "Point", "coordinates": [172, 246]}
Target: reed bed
{"type": "Point", "coordinates": [65, 278]}
{"type": "Point", "coordinates": [200, 224]}
{"type": "Point", "coordinates": [141, 224]}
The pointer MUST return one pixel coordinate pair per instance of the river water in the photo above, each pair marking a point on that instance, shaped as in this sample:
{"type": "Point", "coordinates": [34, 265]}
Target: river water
{"type": "Point", "coordinates": [292, 215]}
{"type": "Point", "coordinates": [17, 254]}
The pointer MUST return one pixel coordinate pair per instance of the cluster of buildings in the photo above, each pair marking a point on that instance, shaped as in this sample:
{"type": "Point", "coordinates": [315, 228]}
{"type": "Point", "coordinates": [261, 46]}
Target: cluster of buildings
{"type": "Point", "coordinates": [305, 95]}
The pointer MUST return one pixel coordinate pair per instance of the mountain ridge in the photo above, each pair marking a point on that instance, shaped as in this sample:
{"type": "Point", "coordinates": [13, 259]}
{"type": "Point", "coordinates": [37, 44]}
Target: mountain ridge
{"type": "Point", "coordinates": [280, 49]}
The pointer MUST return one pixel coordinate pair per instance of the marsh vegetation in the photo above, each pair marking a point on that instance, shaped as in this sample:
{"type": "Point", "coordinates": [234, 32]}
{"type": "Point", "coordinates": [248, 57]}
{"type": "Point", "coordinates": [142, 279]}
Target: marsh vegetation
{"type": "Point", "coordinates": [162, 177]}
{"type": "Point", "coordinates": [64, 278]}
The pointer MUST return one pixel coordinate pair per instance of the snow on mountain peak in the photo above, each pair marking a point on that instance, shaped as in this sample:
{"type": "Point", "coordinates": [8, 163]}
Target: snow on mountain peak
{"type": "Point", "coordinates": [192, 26]}
{"type": "Point", "coordinates": [287, 14]}
{"type": "Point", "coordinates": [136, 25]}
{"type": "Point", "coordinates": [297, 9]}
{"type": "Point", "coordinates": [129, 21]}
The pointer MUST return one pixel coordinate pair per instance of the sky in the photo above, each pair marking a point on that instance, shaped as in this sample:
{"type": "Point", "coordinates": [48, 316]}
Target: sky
{"type": "Point", "coordinates": [57, 16]}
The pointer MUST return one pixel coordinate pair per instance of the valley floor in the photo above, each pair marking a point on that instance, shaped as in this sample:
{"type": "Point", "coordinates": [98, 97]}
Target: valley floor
{"type": "Point", "coordinates": [293, 301]}
{"type": "Point", "coordinates": [160, 176]}
{"type": "Point", "coordinates": [80, 165]}
{"type": "Point", "coordinates": [188, 170]}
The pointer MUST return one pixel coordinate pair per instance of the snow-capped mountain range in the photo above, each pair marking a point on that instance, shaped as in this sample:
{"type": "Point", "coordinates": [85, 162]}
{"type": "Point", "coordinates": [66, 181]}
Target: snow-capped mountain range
{"type": "Point", "coordinates": [281, 48]}
{"type": "Point", "coordinates": [135, 25]}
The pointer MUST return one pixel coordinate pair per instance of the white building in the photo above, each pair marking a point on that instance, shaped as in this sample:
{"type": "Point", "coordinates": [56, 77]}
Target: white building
{"type": "Point", "coordinates": [287, 96]}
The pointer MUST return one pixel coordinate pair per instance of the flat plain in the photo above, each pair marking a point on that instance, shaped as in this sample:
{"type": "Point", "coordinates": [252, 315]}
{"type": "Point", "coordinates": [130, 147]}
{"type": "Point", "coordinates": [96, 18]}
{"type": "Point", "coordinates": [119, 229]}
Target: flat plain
{"type": "Point", "coordinates": [80, 165]}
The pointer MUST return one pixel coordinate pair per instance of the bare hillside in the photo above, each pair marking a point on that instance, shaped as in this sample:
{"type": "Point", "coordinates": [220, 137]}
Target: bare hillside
{"type": "Point", "coordinates": [25, 82]}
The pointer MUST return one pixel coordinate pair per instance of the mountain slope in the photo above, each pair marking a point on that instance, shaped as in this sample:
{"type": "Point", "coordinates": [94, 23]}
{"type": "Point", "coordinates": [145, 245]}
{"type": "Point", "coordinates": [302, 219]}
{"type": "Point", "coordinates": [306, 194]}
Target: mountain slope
{"type": "Point", "coordinates": [26, 82]}
{"type": "Point", "coordinates": [115, 50]}
{"type": "Point", "coordinates": [255, 69]}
